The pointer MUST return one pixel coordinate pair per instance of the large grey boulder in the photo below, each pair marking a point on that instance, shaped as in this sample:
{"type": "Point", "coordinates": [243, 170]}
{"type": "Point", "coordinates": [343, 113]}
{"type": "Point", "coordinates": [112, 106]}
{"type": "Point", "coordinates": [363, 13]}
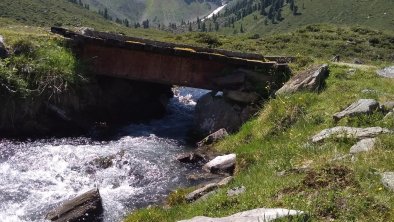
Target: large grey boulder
{"type": "Point", "coordinates": [3, 49]}
{"type": "Point", "coordinates": [86, 207]}
{"type": "Point", "coordinates": [256, 215]}
{"type": "Point", "coordinates": [388, 180]}
{"type": "Point", "coordinates": [241, 97]}
{"type": "Point", "coordinates": [214, 137]}
{"type": "Point", "coordinates": [362, 106]}
{"type": "Point", "coordinates": [311, 79]}
{"type": "Point", "coordinates": [219, 164]}
{"type": "Point", "coordinates": [349, 132]}
{"type": "Point", "coordinates": [364, 145]}
{"type": "Point", "coordinates": [214, 112]}
{"type": "Point", "coordinates": [387, 72]}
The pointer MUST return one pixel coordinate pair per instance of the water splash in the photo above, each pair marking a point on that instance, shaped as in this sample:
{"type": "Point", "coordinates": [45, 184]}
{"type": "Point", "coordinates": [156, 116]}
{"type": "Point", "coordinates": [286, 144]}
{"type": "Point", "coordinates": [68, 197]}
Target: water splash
{"type": "Point", "coordinates": [134, 170]}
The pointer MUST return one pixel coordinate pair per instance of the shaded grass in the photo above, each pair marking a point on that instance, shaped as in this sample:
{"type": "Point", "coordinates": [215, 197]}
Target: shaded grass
{"type": "Point", "coordinates": [278, 140]}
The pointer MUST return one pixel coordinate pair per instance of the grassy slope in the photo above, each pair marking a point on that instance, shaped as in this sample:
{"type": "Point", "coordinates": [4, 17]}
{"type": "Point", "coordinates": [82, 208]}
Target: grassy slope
{"type": "Point", "coordinates": [278, 138]}
{"type": "Point", "coordinates": [374, 13]}
{"type": "Point", "coordinates": [49, 12]}
{"type": "Point", "coordinates": [316, 41]}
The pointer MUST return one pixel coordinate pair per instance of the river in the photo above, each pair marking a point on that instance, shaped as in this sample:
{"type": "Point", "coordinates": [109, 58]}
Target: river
{"type": "Point", "coordinates": [140, 167]}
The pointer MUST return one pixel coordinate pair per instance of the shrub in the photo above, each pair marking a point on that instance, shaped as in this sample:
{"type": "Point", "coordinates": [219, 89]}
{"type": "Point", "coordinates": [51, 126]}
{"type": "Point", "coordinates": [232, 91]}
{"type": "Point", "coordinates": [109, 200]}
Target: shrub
{"type": "Point", "coordinates": [210, 40]}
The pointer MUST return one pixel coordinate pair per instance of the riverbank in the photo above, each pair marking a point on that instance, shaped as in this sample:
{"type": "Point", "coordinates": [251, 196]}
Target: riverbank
{"type": "Point", "coordinates": [277, 163]}
{"type": "Point", "coordinates": [279, 166]}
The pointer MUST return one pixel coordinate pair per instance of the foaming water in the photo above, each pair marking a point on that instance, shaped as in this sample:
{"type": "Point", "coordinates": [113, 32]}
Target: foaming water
{"type": "Point", "coordinates": [136, 169]}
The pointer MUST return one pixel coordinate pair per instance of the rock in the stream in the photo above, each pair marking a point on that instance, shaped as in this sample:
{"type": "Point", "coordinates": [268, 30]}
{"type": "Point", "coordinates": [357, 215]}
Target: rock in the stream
{"type": "Point", "coordinates": [236, 191]}
{"type": "Point", "coordinates": [190, 157]}
{"type": "Point", "coordinates": [388, 180]}
{"type": "Point", "coordinates": [86, 207]}
{"type": "Point", "coordinates": [220, 164]}
{"type": "Point", "coordinates": [349, 132]}
{"type": "Point", "coordinates": [362, 106]}
{"type": "Point", "coordinates": [387, 72]}
{"type": "Point", "coordinates": [364, 145]}
{"type": "Point", "coordinates": [256, 215]}
{"type": "Point", "coordinates": [312, 80]}
{"type": "Point", "coordinates": [214, 137]}
{"type": "Point", "coordinates": [3, 49]}
{"type": "Point", "coordinates": [214, 112]}
{"type": "Point", "coordinates": [241, 97]}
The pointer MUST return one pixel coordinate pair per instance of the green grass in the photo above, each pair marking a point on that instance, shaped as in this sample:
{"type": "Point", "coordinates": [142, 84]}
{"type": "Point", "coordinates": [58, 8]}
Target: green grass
{"type": "Point", "coordinates": [40, 65]}
{"type": "Point", "coordinates": [278, 139]}
{"type": "Point", "coordinates": [321, 41]}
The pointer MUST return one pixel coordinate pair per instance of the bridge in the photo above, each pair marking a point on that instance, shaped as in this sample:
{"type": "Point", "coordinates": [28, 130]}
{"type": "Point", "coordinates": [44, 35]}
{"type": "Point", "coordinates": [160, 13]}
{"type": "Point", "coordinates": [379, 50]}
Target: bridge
{"type": "Point", "coordinates": [176, 64]}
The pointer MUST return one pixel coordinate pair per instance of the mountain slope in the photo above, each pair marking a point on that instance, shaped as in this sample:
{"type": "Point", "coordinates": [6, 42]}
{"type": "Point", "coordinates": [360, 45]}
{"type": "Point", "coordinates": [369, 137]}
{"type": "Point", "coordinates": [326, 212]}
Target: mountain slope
{"type": "Point", "coordinates": [50, 12]}
{"type": "Point", "coordinates": [377, 14]}
{"type": "Point", "coordinates": [158, 11]}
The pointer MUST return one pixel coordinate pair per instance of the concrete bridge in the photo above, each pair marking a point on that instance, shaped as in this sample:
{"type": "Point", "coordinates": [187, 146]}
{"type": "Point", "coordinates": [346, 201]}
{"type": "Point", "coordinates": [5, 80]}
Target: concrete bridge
{"type": "Point", "coordinates": [175, 64]}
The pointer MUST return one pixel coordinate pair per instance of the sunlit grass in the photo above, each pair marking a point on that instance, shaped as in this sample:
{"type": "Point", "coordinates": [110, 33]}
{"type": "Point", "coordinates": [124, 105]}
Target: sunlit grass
{"type": "Point", "coordinates": [278, 140]}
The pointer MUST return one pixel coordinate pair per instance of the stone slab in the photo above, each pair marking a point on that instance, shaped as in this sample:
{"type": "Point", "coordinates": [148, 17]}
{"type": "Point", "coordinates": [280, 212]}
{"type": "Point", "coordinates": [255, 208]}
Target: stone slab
{"type": "Point", "coordinates": [256, 215]}
{"type": "Point", "coordinates": [349, 132]}
{"type": "Point", "coordinates": [364, 145]}
{"type": "Point", "coordinates": [362, 106]}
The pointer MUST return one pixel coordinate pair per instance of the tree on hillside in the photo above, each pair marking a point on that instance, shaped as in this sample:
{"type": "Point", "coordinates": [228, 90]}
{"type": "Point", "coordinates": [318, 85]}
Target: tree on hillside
{"type": "Point", "coordinates": [126, 22]}
{"type": "Point", "coordinates": [105, 14]}
{"type": "Point", "coordinates": [216, 26]}
{"type": "Point", "coordinates": [203, 27]}
{"type": "Point", "coordinates": [145, 24]}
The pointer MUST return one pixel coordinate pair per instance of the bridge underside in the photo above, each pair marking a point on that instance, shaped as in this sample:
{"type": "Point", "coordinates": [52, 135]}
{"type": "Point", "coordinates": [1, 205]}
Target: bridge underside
{"type": "Point", "coordinates": [173, 64]}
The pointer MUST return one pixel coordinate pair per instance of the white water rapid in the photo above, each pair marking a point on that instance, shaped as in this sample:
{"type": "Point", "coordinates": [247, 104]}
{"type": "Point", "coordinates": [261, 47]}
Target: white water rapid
{"type": "Point", "coordinates": [140, 167]}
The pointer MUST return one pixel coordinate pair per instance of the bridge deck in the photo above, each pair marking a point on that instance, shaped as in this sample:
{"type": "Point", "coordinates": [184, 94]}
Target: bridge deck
{"type": "Point", "coordinates": [171, 64]}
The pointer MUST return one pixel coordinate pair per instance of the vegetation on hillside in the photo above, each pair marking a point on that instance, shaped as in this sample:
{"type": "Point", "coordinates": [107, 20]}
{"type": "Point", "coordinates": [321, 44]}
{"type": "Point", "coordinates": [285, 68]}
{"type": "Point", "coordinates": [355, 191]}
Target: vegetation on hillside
{"type": "Point", "coordinates": [266, 17]}
{"type": "Point", "coordinates": [158, 13]}
{"type": "Point", "coordinates": [313, 41]}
